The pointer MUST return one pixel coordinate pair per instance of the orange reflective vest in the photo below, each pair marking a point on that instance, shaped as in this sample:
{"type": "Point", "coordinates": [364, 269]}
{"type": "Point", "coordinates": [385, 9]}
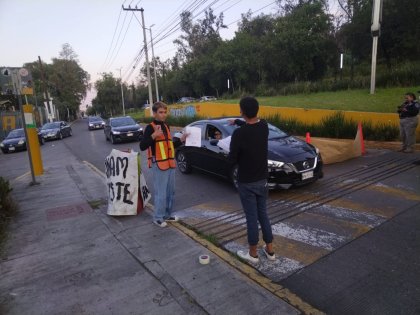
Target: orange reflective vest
{"type": "Point", "coordinates": [164, 151]}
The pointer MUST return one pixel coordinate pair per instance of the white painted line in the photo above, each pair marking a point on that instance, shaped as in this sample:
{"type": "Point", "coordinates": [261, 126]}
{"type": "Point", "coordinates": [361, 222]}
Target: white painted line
{"type": "Point", "coordinates": [359, 217]}
{"type": "Point", "coordinates": [21, 176]}
{"type": "Point", "coordinates": [312, 236]}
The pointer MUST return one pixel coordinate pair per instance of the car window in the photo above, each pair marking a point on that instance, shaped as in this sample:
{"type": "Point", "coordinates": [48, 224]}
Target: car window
{"type": "Point", "coordinates": [17, 133]}
{"type": "Point", "coordinates": [51, 125]}
{"type": "Point", "coordinates": [212, 131]}
{"type": "Point", "coordinates": [95, 119]}
{"type": "Point", "coordinates": [123, 121]}
{"type": "Point", "coordinates": [274, 132]}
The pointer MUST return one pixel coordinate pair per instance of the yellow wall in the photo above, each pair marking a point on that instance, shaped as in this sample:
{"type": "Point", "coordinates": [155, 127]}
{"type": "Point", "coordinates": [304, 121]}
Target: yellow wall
{"type": "Point", "coordinates": [210, 109]}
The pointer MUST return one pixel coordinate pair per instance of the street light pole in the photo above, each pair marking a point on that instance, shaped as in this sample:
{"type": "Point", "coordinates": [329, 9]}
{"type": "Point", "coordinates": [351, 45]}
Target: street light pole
{"type": "Point", "coordinates": [122, 93]}
{"type": "Point", "coordinates": [154, 63]}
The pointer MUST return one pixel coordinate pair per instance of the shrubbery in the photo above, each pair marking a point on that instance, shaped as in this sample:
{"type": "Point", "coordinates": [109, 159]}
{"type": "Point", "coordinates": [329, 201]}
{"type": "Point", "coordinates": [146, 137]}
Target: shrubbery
{"type": "Point", "coordinates": [334, 126]}
{"type": "Point", "coordinates": [8, 208]}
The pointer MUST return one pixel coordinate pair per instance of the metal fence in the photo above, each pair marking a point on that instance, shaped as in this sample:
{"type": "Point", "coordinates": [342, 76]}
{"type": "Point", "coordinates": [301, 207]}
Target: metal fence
{"type": "Point", "coordinates": [11, 120]}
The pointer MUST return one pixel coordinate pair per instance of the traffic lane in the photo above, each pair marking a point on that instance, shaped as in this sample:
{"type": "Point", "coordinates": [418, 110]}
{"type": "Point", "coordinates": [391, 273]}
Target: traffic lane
{"type": "Point", "coordinates": [192, 189]}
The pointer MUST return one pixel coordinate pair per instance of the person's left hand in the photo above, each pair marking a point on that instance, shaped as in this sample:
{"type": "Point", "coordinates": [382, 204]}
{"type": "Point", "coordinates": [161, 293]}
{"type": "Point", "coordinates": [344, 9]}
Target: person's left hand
{"type": "Point", "coordinates": [184, 136]}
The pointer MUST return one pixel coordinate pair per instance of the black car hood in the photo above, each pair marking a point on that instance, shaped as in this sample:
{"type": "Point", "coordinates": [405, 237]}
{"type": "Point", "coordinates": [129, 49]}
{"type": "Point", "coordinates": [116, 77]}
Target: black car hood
{"type": "Point", "coordinates": [126, 128]}
{"type": "Point", "coordinates": [289, 150]}
{"type": "Point", "coordinates": [13, 140]}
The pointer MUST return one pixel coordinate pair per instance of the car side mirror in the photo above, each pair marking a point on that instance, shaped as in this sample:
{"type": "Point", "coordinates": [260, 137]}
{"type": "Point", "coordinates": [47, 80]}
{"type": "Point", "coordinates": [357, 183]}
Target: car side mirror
{"type": "Point", "coordinates": [214, 142]}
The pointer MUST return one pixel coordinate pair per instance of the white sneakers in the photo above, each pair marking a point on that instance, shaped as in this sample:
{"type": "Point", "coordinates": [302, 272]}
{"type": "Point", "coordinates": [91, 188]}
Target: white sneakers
{"type": "Point", "coordinates": [246, 256]}
{"type": "Point", "coordinates": [267, 254]}
{"type": "Point", "coordinates": [255, 260]}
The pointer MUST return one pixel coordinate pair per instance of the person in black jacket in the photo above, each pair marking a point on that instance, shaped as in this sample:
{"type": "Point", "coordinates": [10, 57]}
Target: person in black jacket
{"type": "Point", "coordinates": [249, 150]}
{"type": "Point", "coordinates": [408, 122]}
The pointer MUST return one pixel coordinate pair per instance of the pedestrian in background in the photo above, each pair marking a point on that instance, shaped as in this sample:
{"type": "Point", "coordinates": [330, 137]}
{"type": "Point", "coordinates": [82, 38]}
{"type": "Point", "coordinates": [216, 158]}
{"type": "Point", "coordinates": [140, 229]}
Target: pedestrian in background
{"type": "Point", "coordinates": [157, 141]}
{"type": "Point", "coordinates": [408, 122]}
{"type": "Point", "coordinates": [248, 149]}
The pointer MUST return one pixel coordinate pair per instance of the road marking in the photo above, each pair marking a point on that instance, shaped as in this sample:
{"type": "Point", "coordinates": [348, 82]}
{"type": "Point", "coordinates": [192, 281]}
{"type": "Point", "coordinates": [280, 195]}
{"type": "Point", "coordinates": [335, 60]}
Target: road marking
{"type": "Point", "coordinates": [309, 235]}
{"type": "Point", "coordinates": [95, 169]}
{"type": "Point", "coordinates": [397, 192]}
{"type": "Point", "coordinates": [21, 176]}
{"type": "Point", "coordinates": [251, 273]}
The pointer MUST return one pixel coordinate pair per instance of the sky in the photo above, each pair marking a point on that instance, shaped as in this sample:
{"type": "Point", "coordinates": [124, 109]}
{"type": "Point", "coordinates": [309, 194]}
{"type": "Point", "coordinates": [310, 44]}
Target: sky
{"type": "Point", "coordinates": [105, 37]}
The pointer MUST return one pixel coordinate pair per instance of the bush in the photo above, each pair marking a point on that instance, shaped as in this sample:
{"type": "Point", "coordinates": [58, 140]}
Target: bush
{"type": "Point", "coordinates": [8, 208]}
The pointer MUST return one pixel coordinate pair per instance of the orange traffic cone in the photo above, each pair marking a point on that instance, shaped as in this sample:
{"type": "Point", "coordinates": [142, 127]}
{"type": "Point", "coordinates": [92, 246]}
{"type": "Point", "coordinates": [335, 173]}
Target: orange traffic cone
{"type": "Point", "coordinates": [362, 142]}
{"type": "Point", "coordinates": [308, 137]}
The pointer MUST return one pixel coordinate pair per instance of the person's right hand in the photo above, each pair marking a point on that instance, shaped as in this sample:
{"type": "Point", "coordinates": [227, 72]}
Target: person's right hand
{"type": "Point", "coordinates": [158, 132]}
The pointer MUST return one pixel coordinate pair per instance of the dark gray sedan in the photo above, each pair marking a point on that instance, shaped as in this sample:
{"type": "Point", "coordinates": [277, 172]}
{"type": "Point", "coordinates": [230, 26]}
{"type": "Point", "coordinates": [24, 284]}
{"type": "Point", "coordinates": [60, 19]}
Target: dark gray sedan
{"type": "Point", "coordinates": [291, 161]}
{"type": "Point", "coordinates": [56, 130]}
{"type": "Point", "coordinates": [119, 129]}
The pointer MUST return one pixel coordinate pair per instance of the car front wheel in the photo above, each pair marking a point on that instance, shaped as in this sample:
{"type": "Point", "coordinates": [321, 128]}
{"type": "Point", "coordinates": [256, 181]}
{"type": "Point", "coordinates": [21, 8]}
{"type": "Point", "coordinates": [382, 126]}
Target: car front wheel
{"type": "Point", "coordinates": [183, 164]}
{"type": "Point", "coordinates": [41, 141]}
{"type": "Point", "coordinates": [70, 132]}
{"type": "Point", "coordinates": [112, 139]}
{"type": "Point", "coordinates": [60, 135]}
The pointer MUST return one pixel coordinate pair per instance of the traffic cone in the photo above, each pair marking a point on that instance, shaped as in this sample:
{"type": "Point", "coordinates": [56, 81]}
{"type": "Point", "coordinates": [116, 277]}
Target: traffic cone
{"type": "Point", "coordinates": [308, 137]}
{"type": "Point", "coordinates": [362, 142]}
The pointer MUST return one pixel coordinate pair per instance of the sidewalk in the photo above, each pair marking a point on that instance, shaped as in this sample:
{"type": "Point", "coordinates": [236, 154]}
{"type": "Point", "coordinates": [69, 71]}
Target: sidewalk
{"type": "Point", "coordinates": [64, 255]}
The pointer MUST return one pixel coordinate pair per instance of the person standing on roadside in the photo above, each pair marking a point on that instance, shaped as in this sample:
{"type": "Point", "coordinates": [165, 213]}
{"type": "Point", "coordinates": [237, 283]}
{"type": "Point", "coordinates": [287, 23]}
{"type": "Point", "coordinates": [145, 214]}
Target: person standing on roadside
{"type": "Point", "coordinates": [248, 149]}
{"type": "Point", "coordinates": [157, 141]}
{"type": "Point", "coordinates": [408, 122]}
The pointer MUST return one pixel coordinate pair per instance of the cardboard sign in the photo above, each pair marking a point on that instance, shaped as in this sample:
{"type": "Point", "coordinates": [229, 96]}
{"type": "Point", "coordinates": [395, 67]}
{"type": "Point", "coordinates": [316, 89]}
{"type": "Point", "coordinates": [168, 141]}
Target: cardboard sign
{"type": "Point", "coordinates": [122, 177]}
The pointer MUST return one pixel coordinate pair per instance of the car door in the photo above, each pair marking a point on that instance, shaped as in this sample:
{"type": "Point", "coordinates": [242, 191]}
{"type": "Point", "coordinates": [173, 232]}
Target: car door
{"type": "Point", "coordinates": [64, 128]}
{"type": "Point", "coordinates": [210, 157]}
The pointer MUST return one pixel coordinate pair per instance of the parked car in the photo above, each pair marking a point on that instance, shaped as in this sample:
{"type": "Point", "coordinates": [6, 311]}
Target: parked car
{"type": "Point", "coordinates": [56, 130]}
{"type": "Point", "coordinates": [186, 99]}
{"type": "Point", "coordinates": [291, 161]}
{"type": "Point", "coordinates": [207, 98]}
{"type": "Point", "coordinates": [119, 129]}
{"type": "Point", "coordinates": [95, 122]}
{"type": "Point", "coordinates": [16, 141]}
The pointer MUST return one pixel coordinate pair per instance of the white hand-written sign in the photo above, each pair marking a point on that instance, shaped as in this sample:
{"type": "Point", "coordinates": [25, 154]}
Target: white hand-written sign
{"type": "Point", "coordinates": [122, 179]}
{"type": "Point", "coordinates": [224, 143]}
{"type": "Point", "coordinates": [194, 137]}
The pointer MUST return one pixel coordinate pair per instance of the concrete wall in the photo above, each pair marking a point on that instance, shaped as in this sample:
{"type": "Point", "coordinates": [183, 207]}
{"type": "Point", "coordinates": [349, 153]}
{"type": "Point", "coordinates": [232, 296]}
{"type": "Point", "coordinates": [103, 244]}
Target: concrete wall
{"type": "Point", "coordinates": [210, 109]}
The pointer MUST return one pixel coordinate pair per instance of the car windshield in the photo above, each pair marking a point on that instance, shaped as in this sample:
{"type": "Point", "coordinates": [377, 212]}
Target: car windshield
{"type": "Point", "coordinates": [273, 131]}
{"type": "Point", "coordinates": [123, 121]}
{"type": "Point", "coordinates": [17, 133]}
{"type": "Point", "coordinates": [52, 125]}
{"type": "Point", "coordinates": [95, 119]}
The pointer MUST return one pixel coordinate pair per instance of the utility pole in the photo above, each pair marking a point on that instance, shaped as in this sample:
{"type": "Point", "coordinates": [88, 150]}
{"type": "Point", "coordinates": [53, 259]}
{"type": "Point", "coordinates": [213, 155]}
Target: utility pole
{"type": "Point", "coordinates": [154, 63]}
{"type": "Point", "coordinates": [122, 93]}
{"type": "Point", "coordinates": [145, 52]}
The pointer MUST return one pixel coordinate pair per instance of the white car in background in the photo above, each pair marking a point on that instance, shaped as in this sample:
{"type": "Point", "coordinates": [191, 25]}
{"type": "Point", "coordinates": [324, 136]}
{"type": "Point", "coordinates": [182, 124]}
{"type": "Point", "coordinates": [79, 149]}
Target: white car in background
{"type": "Point", "coordinates": [207, 98]}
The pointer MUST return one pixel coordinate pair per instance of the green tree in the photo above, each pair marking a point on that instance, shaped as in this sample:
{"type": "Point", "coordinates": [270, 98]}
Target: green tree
{"type": "Point", "coordinates": [108, 98]}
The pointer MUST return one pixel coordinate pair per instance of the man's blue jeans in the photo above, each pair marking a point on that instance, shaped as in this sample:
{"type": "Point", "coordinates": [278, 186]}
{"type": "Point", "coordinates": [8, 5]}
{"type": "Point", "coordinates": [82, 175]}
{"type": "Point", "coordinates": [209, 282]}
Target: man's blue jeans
{"type": "Point", "coordinates": [254, 202]}
{"type": "Point", "coordinates": [164, 191]}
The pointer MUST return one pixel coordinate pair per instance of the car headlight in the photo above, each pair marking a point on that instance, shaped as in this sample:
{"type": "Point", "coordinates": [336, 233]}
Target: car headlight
{"type": "Point", "coordinates": [90, 125]}
{"type": "Point", "coordinates": [116, 132]}
{"type": "Point", "coordinates": [272, 163]}
{"type": "Point", "coordinates": [140, 129]}
{"type": "Point", "coordinates": [316, 150]}
{"type": "Point", "coordinates": [21, 142]}
{"type": "Point", "coordinates": [1, 145]}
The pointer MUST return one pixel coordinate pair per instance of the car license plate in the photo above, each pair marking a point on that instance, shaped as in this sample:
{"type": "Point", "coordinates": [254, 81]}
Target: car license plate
{"type": "Point", "coordinates": [130, 134]}
{"type": "Point", "coordinates": [11, 148]}
{"type": "Point", "coordinates": [307, 175]}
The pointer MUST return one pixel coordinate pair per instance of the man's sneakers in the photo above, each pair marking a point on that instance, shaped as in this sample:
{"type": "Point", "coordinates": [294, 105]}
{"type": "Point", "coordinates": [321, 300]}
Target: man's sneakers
{"type": "Point", "coordinates": [160, 223]}
{"type": "Point", "coordinates": [246, 256]}
{"type": "Point", "coordinates": [271, 256]}
{"type": "Point", "coordinates": [172, 219]}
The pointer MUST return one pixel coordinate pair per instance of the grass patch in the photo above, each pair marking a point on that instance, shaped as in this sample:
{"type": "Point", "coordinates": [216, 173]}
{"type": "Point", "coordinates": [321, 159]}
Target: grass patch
{"type": "Point", "coordinates": [96, 204]}
{"type": "Point", "coordinates": [385, 100]}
